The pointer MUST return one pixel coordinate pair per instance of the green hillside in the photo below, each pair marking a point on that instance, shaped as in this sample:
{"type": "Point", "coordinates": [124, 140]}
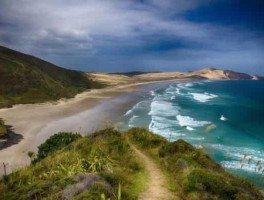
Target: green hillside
{"type": "Point", "coordinates": [105, 165]}
{"type": "Point", "coordinates": [27, 79]}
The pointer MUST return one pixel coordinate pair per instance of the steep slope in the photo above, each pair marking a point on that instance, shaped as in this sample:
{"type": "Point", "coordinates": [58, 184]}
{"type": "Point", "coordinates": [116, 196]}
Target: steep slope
{"type": "Point", "coordinates": [135, 164]}
{"type": "Point", "coordinates": [212, 73]}
{"type": "Point", "coordinates": [27, 79]}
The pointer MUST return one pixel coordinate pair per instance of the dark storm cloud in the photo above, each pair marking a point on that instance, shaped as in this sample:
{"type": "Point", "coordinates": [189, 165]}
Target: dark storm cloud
{"type": "Point", "coordinates": [118, 35]}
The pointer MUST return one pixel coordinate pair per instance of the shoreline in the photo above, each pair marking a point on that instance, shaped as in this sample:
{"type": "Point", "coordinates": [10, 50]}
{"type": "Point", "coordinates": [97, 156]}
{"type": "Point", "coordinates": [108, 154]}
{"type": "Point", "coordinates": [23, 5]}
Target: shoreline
{"type": "Point", "coordinates": [36, 122]}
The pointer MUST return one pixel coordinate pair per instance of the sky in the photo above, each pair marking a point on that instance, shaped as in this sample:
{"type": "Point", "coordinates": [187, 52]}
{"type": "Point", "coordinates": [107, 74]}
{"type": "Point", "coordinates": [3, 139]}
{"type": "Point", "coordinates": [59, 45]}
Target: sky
{"type": "Point", "coordinates": [138, 35]}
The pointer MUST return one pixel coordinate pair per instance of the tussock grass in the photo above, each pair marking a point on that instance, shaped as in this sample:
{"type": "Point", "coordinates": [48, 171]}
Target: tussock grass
{"type": "Point", "coordinates": [104, 154]}
{"type": "Point", "coordinates": [103, 166]}
{"type": "Point", "coordinates": [190, 172]}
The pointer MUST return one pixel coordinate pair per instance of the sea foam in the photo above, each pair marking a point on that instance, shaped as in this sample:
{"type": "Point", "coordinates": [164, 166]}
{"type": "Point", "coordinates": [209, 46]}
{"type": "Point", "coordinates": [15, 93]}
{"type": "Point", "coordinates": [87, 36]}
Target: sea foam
{"type": "Point", "coordinates": [235, 154]}
{"type": "Point", "coordinates": [139, 105]}
{"type": "Point", "coordinates": [203, 97]}
{"type": "Point", "coordinates": [163, 108]}
{"type": "Point", "coordinates": [132, 121]}
{"type": "Point", "coordinates": [190, 122]}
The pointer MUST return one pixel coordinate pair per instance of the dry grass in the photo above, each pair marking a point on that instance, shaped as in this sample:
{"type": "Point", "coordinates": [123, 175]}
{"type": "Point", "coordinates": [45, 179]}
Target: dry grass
{"type": "Point", "coordinates": [111, 79]}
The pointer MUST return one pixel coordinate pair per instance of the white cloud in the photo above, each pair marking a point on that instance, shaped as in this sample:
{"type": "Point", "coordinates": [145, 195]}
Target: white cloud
{"type": "Point", "coordinates": [87, 19]}
{"type": "Point", "coordinates": [86, 28]}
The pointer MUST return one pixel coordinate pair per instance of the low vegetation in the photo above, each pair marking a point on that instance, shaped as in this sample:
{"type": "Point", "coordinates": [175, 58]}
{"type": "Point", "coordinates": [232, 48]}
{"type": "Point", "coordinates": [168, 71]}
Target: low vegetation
{"type": "Point", "coordinates": [100, 165]}
{"type": "Point", "coordinates": [27, 79]}
{"type": "Point", "coordinates": [104, 166]}
{"type": "Point", "coordinates": [191, 173]}
{"type": "Point", "coordinates": [3, 129]}
{"type": "Point", "coordinates": [55, 143]}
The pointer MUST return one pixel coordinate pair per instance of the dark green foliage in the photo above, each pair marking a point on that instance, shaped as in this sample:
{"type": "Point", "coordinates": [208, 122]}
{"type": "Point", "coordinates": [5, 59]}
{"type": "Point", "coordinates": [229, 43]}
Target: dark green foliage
{"type": "Point", "coordinates": [105, 133]}
{"type": "Point", "coordinates": [204, 181]}
{"type": "Point", "coordinates": [54, 143]}
{"type": "Point", "coordinates": [3, 129]}
{"type": "Point", "coordinates": [179, 146]}
{"type": "Point", "coordinates": [181, 149]}
{"type": "Point", "coordinates": [202, 175]}
{"type": "Point", "coordinates": [144, 138]}
{"type": "Point", "coordinates": [27, 79]}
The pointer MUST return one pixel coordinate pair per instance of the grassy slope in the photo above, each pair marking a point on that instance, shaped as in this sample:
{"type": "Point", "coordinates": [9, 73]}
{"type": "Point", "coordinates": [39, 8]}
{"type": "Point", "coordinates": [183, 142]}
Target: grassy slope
{"type": "Point", "coordinates": [50, 177]}
{"type": "Point", "coordinates": [27, 79]}
{"type": "Point", "coordinates": [192, 173]}
{"type": "Point", "coordinates": [102, 162]}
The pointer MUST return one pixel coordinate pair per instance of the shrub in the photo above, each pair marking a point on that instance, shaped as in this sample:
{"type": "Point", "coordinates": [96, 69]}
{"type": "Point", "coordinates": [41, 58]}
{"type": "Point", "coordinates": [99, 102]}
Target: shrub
{"type": "Point", "coordinates": [204, 181]}
{"type": "Point", "coordinates": [105, 133]}
{"type": "Point", "coordinates": [54, 143]}
{"type": "Point", "coordinates": [3, 129]}
{"type": "Point", "coordinates": [206, 162]}
{"type": "Point", "coordinates": [145, 138]}
{"type": "Point", "coordinates": [180, 146]}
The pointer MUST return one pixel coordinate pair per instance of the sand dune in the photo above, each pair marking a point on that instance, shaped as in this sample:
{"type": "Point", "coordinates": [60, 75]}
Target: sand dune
{"type": "Point", "coordinates": [208, 73]}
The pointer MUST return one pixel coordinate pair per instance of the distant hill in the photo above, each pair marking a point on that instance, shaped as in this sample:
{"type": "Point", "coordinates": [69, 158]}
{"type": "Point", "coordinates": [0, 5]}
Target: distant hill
{"type": "Point", "coordinates": [135, 77]}
{"type": "Point", "coordinates": [132, 73]}
{"type": "Point", "coordinates": [207, 73]}
{"type": "Point", "coordinates": [27, 79]}
{"type": "Point", "coordinates": [212, 73]}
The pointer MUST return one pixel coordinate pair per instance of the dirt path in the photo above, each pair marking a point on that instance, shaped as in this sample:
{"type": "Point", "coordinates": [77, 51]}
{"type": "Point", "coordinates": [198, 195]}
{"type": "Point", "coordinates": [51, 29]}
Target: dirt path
{"type": "Point", "coordinates": [157, 181]}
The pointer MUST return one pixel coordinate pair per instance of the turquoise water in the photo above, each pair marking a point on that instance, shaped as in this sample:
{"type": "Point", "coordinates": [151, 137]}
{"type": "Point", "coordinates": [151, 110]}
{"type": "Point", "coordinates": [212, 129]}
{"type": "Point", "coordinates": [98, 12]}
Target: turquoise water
{"type": "Point", "coordinates": [225, 118]}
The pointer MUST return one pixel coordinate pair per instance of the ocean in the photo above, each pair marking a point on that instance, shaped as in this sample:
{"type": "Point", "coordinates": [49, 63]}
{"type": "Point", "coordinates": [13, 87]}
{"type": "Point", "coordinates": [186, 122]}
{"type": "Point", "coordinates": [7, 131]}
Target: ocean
{"type": "Point", "coordinates": [224, 118]}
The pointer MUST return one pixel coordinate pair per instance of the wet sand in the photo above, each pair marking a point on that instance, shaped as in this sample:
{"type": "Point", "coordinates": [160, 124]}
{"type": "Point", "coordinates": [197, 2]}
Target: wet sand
{"type": "Point", "coordinates": [36, 122]}
{"type": "Point", "coordinates": [85, 113]}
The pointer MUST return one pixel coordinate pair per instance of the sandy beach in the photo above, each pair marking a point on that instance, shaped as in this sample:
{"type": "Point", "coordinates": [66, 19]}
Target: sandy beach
{"type": "Point", "coordinates": [85, 113]}
{"type": "Point", "coordinates": [36, 122]}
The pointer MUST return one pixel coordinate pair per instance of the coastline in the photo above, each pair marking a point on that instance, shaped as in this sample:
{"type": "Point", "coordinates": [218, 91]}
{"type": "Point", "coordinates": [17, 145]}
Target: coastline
{"type": "Point", "coordinates": [36, 122]}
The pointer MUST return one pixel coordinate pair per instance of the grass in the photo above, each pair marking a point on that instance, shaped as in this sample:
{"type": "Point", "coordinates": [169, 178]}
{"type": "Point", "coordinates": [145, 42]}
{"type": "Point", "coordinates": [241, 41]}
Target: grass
{"type": "Point", "coordinates": [190, 172]}
{"type": "Point", "coordinates": [54, 143]}
{"type": "Point", "coordinates": [103, 166]}
{"type": "Point", "coordinates": [27, 79]}
{"type": "Point", "coordinates": [104, 154]}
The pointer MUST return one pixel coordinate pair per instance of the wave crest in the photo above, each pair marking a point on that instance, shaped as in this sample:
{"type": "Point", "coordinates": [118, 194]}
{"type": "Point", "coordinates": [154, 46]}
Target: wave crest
{"type": "Point", "coordinates": [190, 122]}
{"type": "Point", "coordinates": [203, 97]}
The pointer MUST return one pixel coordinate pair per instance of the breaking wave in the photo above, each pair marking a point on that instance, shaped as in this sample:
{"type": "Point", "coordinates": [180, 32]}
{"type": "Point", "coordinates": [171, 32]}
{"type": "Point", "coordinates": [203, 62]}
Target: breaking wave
{"type": "Point", "coordinates": [203, 97]}
{"type": "Point", "coordinates": [190, 122]}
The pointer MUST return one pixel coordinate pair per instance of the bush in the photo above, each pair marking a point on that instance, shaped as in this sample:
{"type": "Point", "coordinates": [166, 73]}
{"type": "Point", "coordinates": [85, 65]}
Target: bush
{"type": "Point", "coordinates": [204, 181]}
{"type": "Point", "coordinates": [145, 138]}
{"type": "Point", "coordinates": [180, 146]}
{"type": "Point", "coordinates": [3, 129]}
{"type": "Point", "coordinates": [54, 143]}
{"type": "Point", "coordinates": [105, 133]}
